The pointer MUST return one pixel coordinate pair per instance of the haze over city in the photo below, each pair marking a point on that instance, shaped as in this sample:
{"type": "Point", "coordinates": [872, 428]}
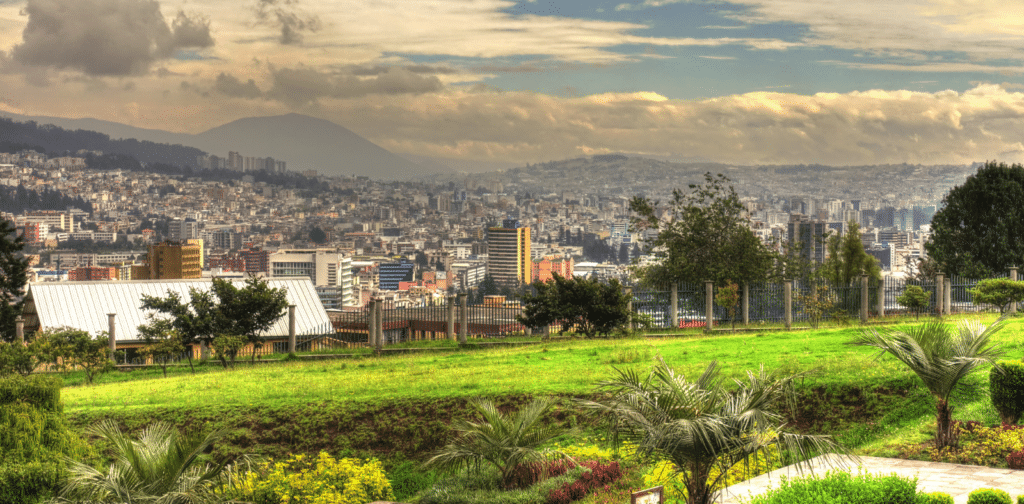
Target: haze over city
{"type": "Point", "coordinates": [745, 82]}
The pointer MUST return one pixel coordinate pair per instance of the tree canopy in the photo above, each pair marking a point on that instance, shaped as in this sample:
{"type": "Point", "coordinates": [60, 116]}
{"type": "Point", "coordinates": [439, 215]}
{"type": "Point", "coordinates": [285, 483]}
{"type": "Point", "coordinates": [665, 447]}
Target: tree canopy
{"type": "Point", "coordinates": [13, 278]}
{"type": "Point", "coordinates": [587, 306]}
{"type": "Point", "coordinates": [847, 260]}
{"type": "Point", "coordinates": [980, 229]}
{"type": "Point", "coordinates": [702, 235]}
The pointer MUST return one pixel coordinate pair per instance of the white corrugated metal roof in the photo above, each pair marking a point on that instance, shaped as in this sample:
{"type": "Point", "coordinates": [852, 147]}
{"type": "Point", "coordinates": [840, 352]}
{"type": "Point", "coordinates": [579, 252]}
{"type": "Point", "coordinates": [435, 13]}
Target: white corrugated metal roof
{"type": "Point", "coordinates": [85, 305]}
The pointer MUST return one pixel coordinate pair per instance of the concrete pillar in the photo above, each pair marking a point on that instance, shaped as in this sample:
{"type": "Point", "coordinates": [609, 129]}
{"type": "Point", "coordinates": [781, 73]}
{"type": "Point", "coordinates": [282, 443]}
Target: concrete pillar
{"type": "Point", "coordinates": [451, 318]}
{"type": "Point", "coordinates": [19, 329]}
{"type": "Point", "coordinates": [745, 304]}
{"type": "Point", "coordinates": [673, 308]}
{"type": "Point", "coordinates": [940, 299]}
{"type": "Point", "coordinates": [112, 330]}
{"type": "Point", "coordinates": [948, 291]}
{"type": "Point", "coordinates": [291, 329]}
{"type": "Point", "coordinates": [629, 306]}
{"type": "Point", "coordinates": [788, 300]}
{"type": "Point", "coordinates": [378, 320]}
{"type": "Point", "coordinates": [371, 325]}
{"type": "Point", "coordinates": [463, 318]}
{"type": "Point", "coordinates": [709, 305]}
{"type": "Point", "coordinates": [1013, 276]}
{"type": "Point", "coordinates": [863, 299]}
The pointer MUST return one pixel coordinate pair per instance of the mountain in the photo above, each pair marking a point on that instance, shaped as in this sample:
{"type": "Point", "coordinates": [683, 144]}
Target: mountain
{"type": "Point", "coordinates": [305, 143]}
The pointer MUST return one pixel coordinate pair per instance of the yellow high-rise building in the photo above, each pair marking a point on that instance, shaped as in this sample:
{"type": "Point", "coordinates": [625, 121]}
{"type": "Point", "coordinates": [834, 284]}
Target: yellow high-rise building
{"type": "Point", "coordinates": [508, 253]}
{"type": "Point", "coordinates": [170, 260]}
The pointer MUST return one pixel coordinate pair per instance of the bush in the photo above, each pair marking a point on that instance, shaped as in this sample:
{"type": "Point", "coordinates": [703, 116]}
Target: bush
{"type": "Point", "coordinates": [408, 477]}
{"type": "Point", "coordinates": [1015, 460]}
{"type": "Point", "coordinates": [842, 487]}
{"type": "Point", "coordinates": [324, 479]}
{"type": "Point", "coordinates": [664, 473]}
{"type": "Point", "coordinates": [979, 445]}
{"type": "Point", "coordinates": [595, 477]}
{"type": "Point", "coordinates": [934, 498]}
{"type": "Point", "coordinates": [1006, 385]}
{"type": "Point", "coordinates": [989, 496]}
{"type": "Point", "coordinates": [483, 488]}
{"type": "Point", "coordinates": [15, 358]}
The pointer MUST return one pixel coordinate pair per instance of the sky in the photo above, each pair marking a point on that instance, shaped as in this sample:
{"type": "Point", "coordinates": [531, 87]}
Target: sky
{"type": "Point", "coordinates": [838, 82]}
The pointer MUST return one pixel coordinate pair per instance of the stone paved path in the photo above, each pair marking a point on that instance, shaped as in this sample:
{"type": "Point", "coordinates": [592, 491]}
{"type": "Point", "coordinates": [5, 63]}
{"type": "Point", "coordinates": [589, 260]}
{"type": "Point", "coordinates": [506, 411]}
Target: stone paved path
{"type": "Point", "coordinates": [954, 479]}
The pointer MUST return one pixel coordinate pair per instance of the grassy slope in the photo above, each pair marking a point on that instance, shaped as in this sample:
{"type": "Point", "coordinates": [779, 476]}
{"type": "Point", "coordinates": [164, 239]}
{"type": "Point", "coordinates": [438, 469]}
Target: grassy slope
{"type": "Point", "coordinates": [338, 396]}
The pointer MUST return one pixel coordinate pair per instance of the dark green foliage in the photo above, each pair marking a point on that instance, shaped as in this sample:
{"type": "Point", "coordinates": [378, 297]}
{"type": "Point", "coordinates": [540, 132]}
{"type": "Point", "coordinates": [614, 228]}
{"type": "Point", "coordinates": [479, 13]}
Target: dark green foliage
{"type": "Point", "coordinates": [408, 477]}
{"type": "Point", "coordinates": [195, 321]}
{"type": "Point", "coordinates": [705, 237]}
{"type": "Point", "coordinates": [13, 277]}
{"type": "Point", "coordinates": [163, 344]}
{"type": "Point", "coordinates": [1006, 388]}
{"type": "Point", "coordinates": [1001, 292]}
{"type": "Point", "coordinates": [979, 231]}
{"type": "Point", "coordinates": [15, 358]}
{"type": "Point", "coordinates": [840, 487]}
{"type": "Point", "coordinates": [66, 349]}
{"type": "Point", "coordinates": [250, 310]}
{"type": "Point", "coordinates": [847, 260]}
{"type": "Point", "coordinates": [587, 306]}
{"type": "Point", "coordinates": [989, 496]}
{"type": "Point", "coordinates": [34, 436]}
{"type": "Point", "coordinates": [729, 297]}
{"type": "Point", "coordinates": [914, 298]}
{"type": "Point", "coordinates": [934, 498]}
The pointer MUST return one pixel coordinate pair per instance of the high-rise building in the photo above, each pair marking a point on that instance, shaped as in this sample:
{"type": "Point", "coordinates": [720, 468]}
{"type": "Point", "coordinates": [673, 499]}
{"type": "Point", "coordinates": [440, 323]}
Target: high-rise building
{"type": "Point", "coordinates": [181, 230]}
{"type": "Point", "coordinates": [808, 237]}
{"type": "Point", "coordinates": [508, 253]}
{"type": "Point", "coordinates": [171, 260]}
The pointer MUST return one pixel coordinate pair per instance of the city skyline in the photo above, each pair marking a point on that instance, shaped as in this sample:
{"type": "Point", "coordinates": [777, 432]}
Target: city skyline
{"type": "Point", "coordinates": [746, 81]}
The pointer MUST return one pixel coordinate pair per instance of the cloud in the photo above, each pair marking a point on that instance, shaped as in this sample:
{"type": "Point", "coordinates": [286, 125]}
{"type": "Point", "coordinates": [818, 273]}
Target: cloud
{"type": "Point", "coordinates": [104, 37]}
{"type": "Point", "coordinates": [285, 16]}
{"type": "Point", "coordinates": [232, 86]}
{"type": "Point", "coordinates": [646, 4]}
{"type": "Point", "coordinates": [303, 85]}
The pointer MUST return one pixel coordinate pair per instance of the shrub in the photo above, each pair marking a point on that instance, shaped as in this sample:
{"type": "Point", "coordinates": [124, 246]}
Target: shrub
{"type": "Point", "coordinates": [15, 358]}
{"type": "Point", "coordinates": [989, 496]}
{"type": "Point", "coordinates": [988, 446]}
{"type": "Point", "coordinates": [324, 479]}
{"type": "Point", "coordinates": [596, 476]}
{"type": "Point", "coordinates": [841, 486]}
{"type": "Point", "coordinates": [934, 498]}
{"type": "Point", "coordinates": [664, 473]}
{"type": "Point", "coordinates": [1015, 460]}
{"type": "Point", "coordinates": [483, 488]}
{"type": "Point", "coordinates": [1006, 385]}
{"type": "Point", "coordinates": [408, 477]}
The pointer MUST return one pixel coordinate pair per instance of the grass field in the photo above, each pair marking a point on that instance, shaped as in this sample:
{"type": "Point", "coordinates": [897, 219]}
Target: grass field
{"type": "Point", "coordinates": [564, 368]}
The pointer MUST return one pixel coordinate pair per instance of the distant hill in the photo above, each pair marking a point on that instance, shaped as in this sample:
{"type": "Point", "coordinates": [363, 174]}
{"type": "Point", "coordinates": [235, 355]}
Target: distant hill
{"type": "Point", "coordinates": [305, 143]}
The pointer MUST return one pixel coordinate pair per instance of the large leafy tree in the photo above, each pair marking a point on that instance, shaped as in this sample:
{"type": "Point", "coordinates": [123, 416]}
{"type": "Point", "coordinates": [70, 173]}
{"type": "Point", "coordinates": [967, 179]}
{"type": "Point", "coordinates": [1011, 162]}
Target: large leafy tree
{"type": "Point", "coordinates": [194, 321]}
{"type": "Point", "coordinates": [587, 306]}
{"type": "Point", "coordinates": [251, 310]}
{"type": "Point", "coordinates": [848, 260]}
{"type": "Point", "coordinates": [13, 278]}
{"type": "Point", "coordinates": [980, 229]}
{"type": "Point", "coordinates": [941, 357]}
{"type": "Point", "coordinates": [700, 425]}
{"type": "Point", "coordinates": [701, 235]}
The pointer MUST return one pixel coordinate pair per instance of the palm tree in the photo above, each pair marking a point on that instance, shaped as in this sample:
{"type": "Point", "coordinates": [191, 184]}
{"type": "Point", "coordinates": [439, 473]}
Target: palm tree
{"type": "Point", "coordinates": [161, 467]}
{"type": "Point", "coordinates": [941, 357]}
{"type": "Point", "coordinates": [701, 425]}
{"type": "Point", "coordinates": [503, 441]}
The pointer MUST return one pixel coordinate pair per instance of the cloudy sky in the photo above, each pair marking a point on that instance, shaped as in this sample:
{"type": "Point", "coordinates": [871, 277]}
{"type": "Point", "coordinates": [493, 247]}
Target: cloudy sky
{"type": "Point", "coordinates": [741, 81]}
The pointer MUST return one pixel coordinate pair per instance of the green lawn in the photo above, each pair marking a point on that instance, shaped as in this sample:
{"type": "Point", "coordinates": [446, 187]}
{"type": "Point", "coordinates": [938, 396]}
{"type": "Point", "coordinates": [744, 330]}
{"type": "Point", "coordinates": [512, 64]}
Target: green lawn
{"type": "Point", "coordinates": [330, 393]}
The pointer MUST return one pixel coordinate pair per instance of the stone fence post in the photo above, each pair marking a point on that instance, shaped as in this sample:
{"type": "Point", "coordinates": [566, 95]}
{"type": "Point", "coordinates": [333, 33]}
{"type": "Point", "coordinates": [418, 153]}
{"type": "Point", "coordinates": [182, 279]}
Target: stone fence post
{"type": "Point", "coordinates": [788, 299]}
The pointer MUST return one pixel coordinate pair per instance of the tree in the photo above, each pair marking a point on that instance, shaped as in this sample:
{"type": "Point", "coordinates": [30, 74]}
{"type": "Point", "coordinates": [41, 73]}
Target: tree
{"type": "Point", "coordinates": [847, 260]}
{"type": "Point", "coordinates": [196, 321]}
{"type": "Point", "coordinates": [700, 425]}
{"type": "Point", "coordinates": [914, 298]}
{"type": "Point", "coordinates": [503, 441]}
{"type": "Point", "coordinates": [66, 348]}
{"type": "Point", "coordinates": [249, 311]}
{"type": "Point", "coordinates": [586, 306]}
{"type": "Point", "coordinates": [703, 237]}
{"type": "Point", "coordinates": [979, 231]}
{"type": "Point", "coordinates": [1001, 292]}
{"type": "Point", "coordinates": [16, 358]}
{"type": "Point", "coordinates": [317, 235]}
{"type": "Point", "coordinates": [941, 358]}
{"type": "Point", "coordinates": [13, 278]}
{"type": "Point", "coordinates": [161, 466]}
{"type": "Point", "coordinates": [729, 297]}
{"type": "Point", "coordinates": [163, 344]}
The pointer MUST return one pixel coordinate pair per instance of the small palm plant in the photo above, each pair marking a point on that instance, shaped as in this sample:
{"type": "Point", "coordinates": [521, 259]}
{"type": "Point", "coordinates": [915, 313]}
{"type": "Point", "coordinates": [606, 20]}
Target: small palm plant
{"type": "Point", "coordinates": [503, 441]}
{"type": "Point", "coordinates": [701, 425]}
{"type": "Point", "coordinates": [941, 358]}
{"type": "Point", "coordinates": [161, 467]}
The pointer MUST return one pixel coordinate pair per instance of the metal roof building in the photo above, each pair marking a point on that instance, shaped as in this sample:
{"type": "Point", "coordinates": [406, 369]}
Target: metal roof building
{"type": "Point", "coordinates": [85, 305]}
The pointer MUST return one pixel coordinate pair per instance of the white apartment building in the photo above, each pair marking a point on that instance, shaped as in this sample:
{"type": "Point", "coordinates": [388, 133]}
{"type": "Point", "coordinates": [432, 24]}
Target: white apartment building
{"type": "Point", "coordinates": [330, 271]}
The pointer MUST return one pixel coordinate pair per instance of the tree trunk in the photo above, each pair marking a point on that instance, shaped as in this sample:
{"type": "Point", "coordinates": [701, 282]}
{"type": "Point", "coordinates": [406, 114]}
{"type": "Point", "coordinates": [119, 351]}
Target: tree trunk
{"type": "Point", "coordinates": [190, 361]}
{"type": "Point", "coordinates": [697, 489]}
{"type": "Point", "coordinates": [944, 434]}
